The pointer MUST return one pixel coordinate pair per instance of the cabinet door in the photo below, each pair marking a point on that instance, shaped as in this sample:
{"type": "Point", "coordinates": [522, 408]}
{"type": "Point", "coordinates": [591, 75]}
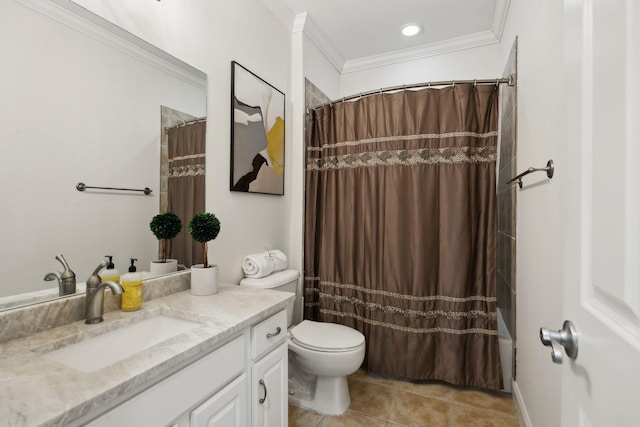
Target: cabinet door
{"type": "Point", "coordinates": [226, 408]}
{"type": "Point", "coordinates": [269, 389]}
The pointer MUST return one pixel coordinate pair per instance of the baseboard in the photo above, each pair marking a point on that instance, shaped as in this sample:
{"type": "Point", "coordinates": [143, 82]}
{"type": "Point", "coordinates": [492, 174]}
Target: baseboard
{"type": "Point", "coordinates": [523, 416]}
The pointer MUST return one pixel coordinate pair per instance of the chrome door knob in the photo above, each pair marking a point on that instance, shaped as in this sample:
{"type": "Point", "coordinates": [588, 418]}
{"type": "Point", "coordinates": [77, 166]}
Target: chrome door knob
{"type": "Point", "coordinates": [567, 337]}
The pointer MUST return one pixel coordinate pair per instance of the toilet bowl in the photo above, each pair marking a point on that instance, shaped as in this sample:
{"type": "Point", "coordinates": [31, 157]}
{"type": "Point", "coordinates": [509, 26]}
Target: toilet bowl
{"type": "Point", "coordinates": [321, 355]}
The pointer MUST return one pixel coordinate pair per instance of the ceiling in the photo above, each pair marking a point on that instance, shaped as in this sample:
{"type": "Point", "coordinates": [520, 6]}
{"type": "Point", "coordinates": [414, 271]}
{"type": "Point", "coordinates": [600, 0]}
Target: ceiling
{"type": "Point", "coordinates": [360, 34]}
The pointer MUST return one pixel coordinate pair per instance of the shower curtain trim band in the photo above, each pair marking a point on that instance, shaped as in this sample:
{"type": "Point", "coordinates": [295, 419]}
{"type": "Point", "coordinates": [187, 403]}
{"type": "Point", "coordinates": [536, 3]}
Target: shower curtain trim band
{"type": "Point", "coordinates": [511, 81]}
{"type": "Point", "coordinates": [184, 123]}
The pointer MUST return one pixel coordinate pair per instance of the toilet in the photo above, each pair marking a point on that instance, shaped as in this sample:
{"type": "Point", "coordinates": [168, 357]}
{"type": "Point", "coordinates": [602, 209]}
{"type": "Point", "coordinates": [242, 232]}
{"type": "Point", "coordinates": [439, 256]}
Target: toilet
{"type": "Point", "coordinates": [321, 355]}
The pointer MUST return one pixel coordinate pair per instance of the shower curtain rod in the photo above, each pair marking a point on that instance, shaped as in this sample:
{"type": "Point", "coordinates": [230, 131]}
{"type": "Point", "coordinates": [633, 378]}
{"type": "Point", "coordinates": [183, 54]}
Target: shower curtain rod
{"type": "Point", "coordinates": [511, 81]}
{"type": "Point", "coordinates": [184, 123]}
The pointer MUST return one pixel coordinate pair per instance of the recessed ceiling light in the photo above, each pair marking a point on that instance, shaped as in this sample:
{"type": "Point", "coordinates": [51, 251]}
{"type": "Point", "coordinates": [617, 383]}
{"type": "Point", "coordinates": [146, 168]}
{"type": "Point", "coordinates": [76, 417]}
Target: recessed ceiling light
{"type": "Point", "coordinates": [410, 30]}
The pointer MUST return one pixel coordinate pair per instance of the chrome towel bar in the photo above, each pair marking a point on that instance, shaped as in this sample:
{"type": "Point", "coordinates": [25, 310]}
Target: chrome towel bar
{"type": "Point", "coordinates": [549, 170]}
{"type": "Point", "coordinates": [81, 187]}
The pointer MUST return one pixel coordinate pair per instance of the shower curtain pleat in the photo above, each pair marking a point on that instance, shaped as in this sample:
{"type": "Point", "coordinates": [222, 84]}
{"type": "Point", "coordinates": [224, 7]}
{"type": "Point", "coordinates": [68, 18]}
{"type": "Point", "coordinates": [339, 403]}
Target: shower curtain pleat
{"type": "Point", "coordinates": [186, 192]}
{"type": "Point", "coordinates": [400, 233]}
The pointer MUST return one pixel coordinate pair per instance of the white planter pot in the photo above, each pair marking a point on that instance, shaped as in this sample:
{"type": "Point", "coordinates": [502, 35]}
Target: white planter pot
{"type": "Point", "coordinates": [158, 267]}
{"type": "Point", "coordinates": [204, 281]}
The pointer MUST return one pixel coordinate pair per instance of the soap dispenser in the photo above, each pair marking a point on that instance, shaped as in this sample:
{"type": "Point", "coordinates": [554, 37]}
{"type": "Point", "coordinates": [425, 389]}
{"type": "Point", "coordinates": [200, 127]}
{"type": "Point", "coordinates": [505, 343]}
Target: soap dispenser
{"type": "Point", "coordinates": [132, 285]}
{"type": "Point", "coordinates": [110, 273]}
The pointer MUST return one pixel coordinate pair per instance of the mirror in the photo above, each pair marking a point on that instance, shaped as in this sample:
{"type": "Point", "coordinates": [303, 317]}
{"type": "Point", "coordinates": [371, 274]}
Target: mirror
{"type": "Point", "coordinates": [81, 102]}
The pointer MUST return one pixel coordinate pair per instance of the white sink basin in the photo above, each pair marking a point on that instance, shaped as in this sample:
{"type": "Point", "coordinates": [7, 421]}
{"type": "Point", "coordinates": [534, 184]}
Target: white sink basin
{"type": "Point", "coordinates": [100, 351]}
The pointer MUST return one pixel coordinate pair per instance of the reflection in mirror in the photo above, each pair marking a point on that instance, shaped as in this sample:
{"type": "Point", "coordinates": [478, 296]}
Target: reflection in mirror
{"type": "Point", "coordinates": [79, 108]}
{"type": "Point", "coordinates": [186, 183]}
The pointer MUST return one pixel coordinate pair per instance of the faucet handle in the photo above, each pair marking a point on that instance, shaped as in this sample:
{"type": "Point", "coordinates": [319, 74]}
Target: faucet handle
{"type": "Point", "coordinates": [63, 261]}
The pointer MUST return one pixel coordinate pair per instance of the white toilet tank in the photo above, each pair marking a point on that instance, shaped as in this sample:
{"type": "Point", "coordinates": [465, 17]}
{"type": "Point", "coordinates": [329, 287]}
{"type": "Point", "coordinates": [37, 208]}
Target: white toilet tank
{"type": "Point", "coordinates": [286, 280]}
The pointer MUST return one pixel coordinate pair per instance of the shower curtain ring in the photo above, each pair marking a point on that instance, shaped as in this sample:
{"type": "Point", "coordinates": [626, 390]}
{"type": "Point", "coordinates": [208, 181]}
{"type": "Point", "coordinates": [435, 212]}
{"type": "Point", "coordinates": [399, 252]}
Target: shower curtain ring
{"type": "Point", "coordinates": [475, 83]}
{"type": "Point", "coordinates": [453, 83]}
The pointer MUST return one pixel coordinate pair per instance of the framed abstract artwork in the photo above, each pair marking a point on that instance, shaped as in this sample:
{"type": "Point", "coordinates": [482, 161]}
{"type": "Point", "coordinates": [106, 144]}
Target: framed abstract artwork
{"type": "Point", "coordinates": [257, 134]}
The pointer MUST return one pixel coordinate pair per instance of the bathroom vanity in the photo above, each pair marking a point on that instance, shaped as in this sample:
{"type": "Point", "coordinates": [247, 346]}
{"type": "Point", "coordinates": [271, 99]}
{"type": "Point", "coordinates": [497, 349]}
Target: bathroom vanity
{"type": "Point", "coordinates": [218, 360]}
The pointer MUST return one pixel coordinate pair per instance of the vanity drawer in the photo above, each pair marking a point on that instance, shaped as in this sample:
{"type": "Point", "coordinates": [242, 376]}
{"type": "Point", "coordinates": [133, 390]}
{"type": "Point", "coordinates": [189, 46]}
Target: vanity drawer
{"type": "Point", "coordinates": [268, 333]}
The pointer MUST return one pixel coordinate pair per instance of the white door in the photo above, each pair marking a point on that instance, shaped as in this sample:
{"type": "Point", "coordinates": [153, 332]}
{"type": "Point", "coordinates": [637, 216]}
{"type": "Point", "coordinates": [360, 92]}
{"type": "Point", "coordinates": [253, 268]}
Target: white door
{"type": "Point", "coordinates": [601, 388]}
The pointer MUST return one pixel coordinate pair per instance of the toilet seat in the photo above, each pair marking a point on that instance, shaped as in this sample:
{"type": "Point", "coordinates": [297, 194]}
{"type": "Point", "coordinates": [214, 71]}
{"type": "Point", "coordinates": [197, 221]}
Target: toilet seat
{"type": "Point", "coordinates": [326, 337]}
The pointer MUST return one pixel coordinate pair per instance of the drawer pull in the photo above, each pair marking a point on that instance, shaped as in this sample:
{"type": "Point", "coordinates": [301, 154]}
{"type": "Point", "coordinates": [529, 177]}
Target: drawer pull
{"type": "Point", "coordinates": [262, 383]}
{"type": "Point", "coordinates": [276, 333]}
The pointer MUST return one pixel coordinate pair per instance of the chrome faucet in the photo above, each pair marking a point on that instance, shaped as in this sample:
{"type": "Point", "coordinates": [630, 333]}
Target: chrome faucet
{"type": "Point", "coordinates": [95, 295]}
{"type": "Point", "coordinates": [66, 279]}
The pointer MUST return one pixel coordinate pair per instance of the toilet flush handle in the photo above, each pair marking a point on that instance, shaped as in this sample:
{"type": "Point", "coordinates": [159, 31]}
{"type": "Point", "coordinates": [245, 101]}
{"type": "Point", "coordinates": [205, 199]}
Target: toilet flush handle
{"type": "Point", "coordinates": [274, 334]}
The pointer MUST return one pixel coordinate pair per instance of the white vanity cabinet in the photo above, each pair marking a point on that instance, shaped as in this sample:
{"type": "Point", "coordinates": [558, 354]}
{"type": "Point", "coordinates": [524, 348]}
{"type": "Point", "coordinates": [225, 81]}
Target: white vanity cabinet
{"type": "Point", "coordinates": [269, 373]}
{"type": "Point", "coordinates": [243, 382]}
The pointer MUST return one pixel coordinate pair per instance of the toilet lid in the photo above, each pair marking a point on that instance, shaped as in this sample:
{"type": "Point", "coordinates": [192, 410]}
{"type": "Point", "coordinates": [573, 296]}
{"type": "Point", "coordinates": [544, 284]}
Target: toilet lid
{"type": "Point", "coordinates": [323, 336]}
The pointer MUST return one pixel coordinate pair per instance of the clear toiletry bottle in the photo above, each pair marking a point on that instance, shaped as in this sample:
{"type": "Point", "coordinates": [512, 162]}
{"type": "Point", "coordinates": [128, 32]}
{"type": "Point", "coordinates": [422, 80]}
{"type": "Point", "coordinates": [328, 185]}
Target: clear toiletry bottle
{"type": "Point", "coordinates": [132, 285]}
{"type": "Point", "coordinates": [110, 273]}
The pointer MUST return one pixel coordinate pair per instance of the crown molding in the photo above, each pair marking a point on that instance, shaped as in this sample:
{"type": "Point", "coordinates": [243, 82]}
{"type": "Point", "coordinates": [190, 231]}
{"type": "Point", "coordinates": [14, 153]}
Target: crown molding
{"type": "Point", "coordinates": [500, 17]}
{"type": "Point", "coordinates": [432, 49]}
{"type": "Point", "coordinates": [317, 37]}
{"type": "Point", "coordinates": [299, 22]}
{"type": "Point", "coordinates": [85, 21]}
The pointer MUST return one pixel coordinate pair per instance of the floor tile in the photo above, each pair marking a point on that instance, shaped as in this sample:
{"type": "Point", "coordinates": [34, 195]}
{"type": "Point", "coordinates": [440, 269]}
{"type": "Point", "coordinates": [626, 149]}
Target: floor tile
{"type": "Point", "coordinates": [371, 399]}
{"type": "Point", "coordinates": [410, 409]}
{"type": "Point", "coordinates": [380, 401]}
{"type": "Point", "coordinates": [471, 417]}
{"type": "Point", "coordinates": [301, 417]}
{"type": "Point", "coordinates": [351, 419]}
{"type": "Point", "coordinates": [490, 401]}
{"type": "Point", "coordinates": [425, 388]}
{"type": "Point", "coordinates": [363, 375]}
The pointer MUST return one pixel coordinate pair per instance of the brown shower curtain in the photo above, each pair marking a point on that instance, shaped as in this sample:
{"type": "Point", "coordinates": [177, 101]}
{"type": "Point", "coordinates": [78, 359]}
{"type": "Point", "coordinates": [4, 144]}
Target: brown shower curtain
{"type": "Point", "coordinates": [186, 146]}
{"type": "Point", "coordinates": [400, 234]}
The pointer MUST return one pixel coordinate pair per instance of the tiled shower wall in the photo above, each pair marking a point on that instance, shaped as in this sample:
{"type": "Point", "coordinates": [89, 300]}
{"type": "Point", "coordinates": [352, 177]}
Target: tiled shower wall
{"type": "Point", "coordinates": [506, 259]}
{"type": "Point", "coordinates": [314, 97]}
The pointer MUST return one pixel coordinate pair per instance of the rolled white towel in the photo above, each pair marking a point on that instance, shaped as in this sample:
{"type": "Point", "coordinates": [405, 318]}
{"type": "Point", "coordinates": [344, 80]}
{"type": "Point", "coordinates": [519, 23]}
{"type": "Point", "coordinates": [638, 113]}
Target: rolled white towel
{"type": "Point", "coordinates": [279, 260]}
{"type": "Point", "coordinates": [263, 264]}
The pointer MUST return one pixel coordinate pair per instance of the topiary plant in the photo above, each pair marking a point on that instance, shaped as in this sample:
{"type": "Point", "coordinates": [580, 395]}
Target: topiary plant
{"type": "Point", "coordinates": [165, 226]}
{"type": "Point", "coordinates": [204, 227]}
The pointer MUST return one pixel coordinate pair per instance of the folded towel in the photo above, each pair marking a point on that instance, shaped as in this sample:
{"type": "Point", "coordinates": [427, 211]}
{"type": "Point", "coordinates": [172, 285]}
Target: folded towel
{"type": "Point", "coordinates": [263, 264]}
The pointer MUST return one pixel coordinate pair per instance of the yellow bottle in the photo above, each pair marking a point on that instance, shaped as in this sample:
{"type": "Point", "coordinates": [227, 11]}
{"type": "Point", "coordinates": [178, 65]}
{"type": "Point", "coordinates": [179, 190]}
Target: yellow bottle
{"type": "Point", "coordinates": [132, 285]}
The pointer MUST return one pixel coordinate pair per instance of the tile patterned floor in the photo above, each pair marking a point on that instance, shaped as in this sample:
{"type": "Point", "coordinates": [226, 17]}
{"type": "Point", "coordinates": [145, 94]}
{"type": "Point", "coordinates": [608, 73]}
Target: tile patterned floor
{"type": "Point", "coordinates": [382, 402]}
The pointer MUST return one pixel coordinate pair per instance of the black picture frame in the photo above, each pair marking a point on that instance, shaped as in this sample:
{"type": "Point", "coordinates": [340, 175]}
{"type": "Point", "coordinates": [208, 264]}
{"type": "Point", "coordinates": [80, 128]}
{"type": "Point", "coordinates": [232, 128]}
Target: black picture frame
{"type": "Point", "coordinates": [257, 134]}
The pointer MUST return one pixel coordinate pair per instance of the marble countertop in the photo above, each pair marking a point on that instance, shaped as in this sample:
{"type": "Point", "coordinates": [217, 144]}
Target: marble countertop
{"type": "Point", "coordinates": [35, 391]}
